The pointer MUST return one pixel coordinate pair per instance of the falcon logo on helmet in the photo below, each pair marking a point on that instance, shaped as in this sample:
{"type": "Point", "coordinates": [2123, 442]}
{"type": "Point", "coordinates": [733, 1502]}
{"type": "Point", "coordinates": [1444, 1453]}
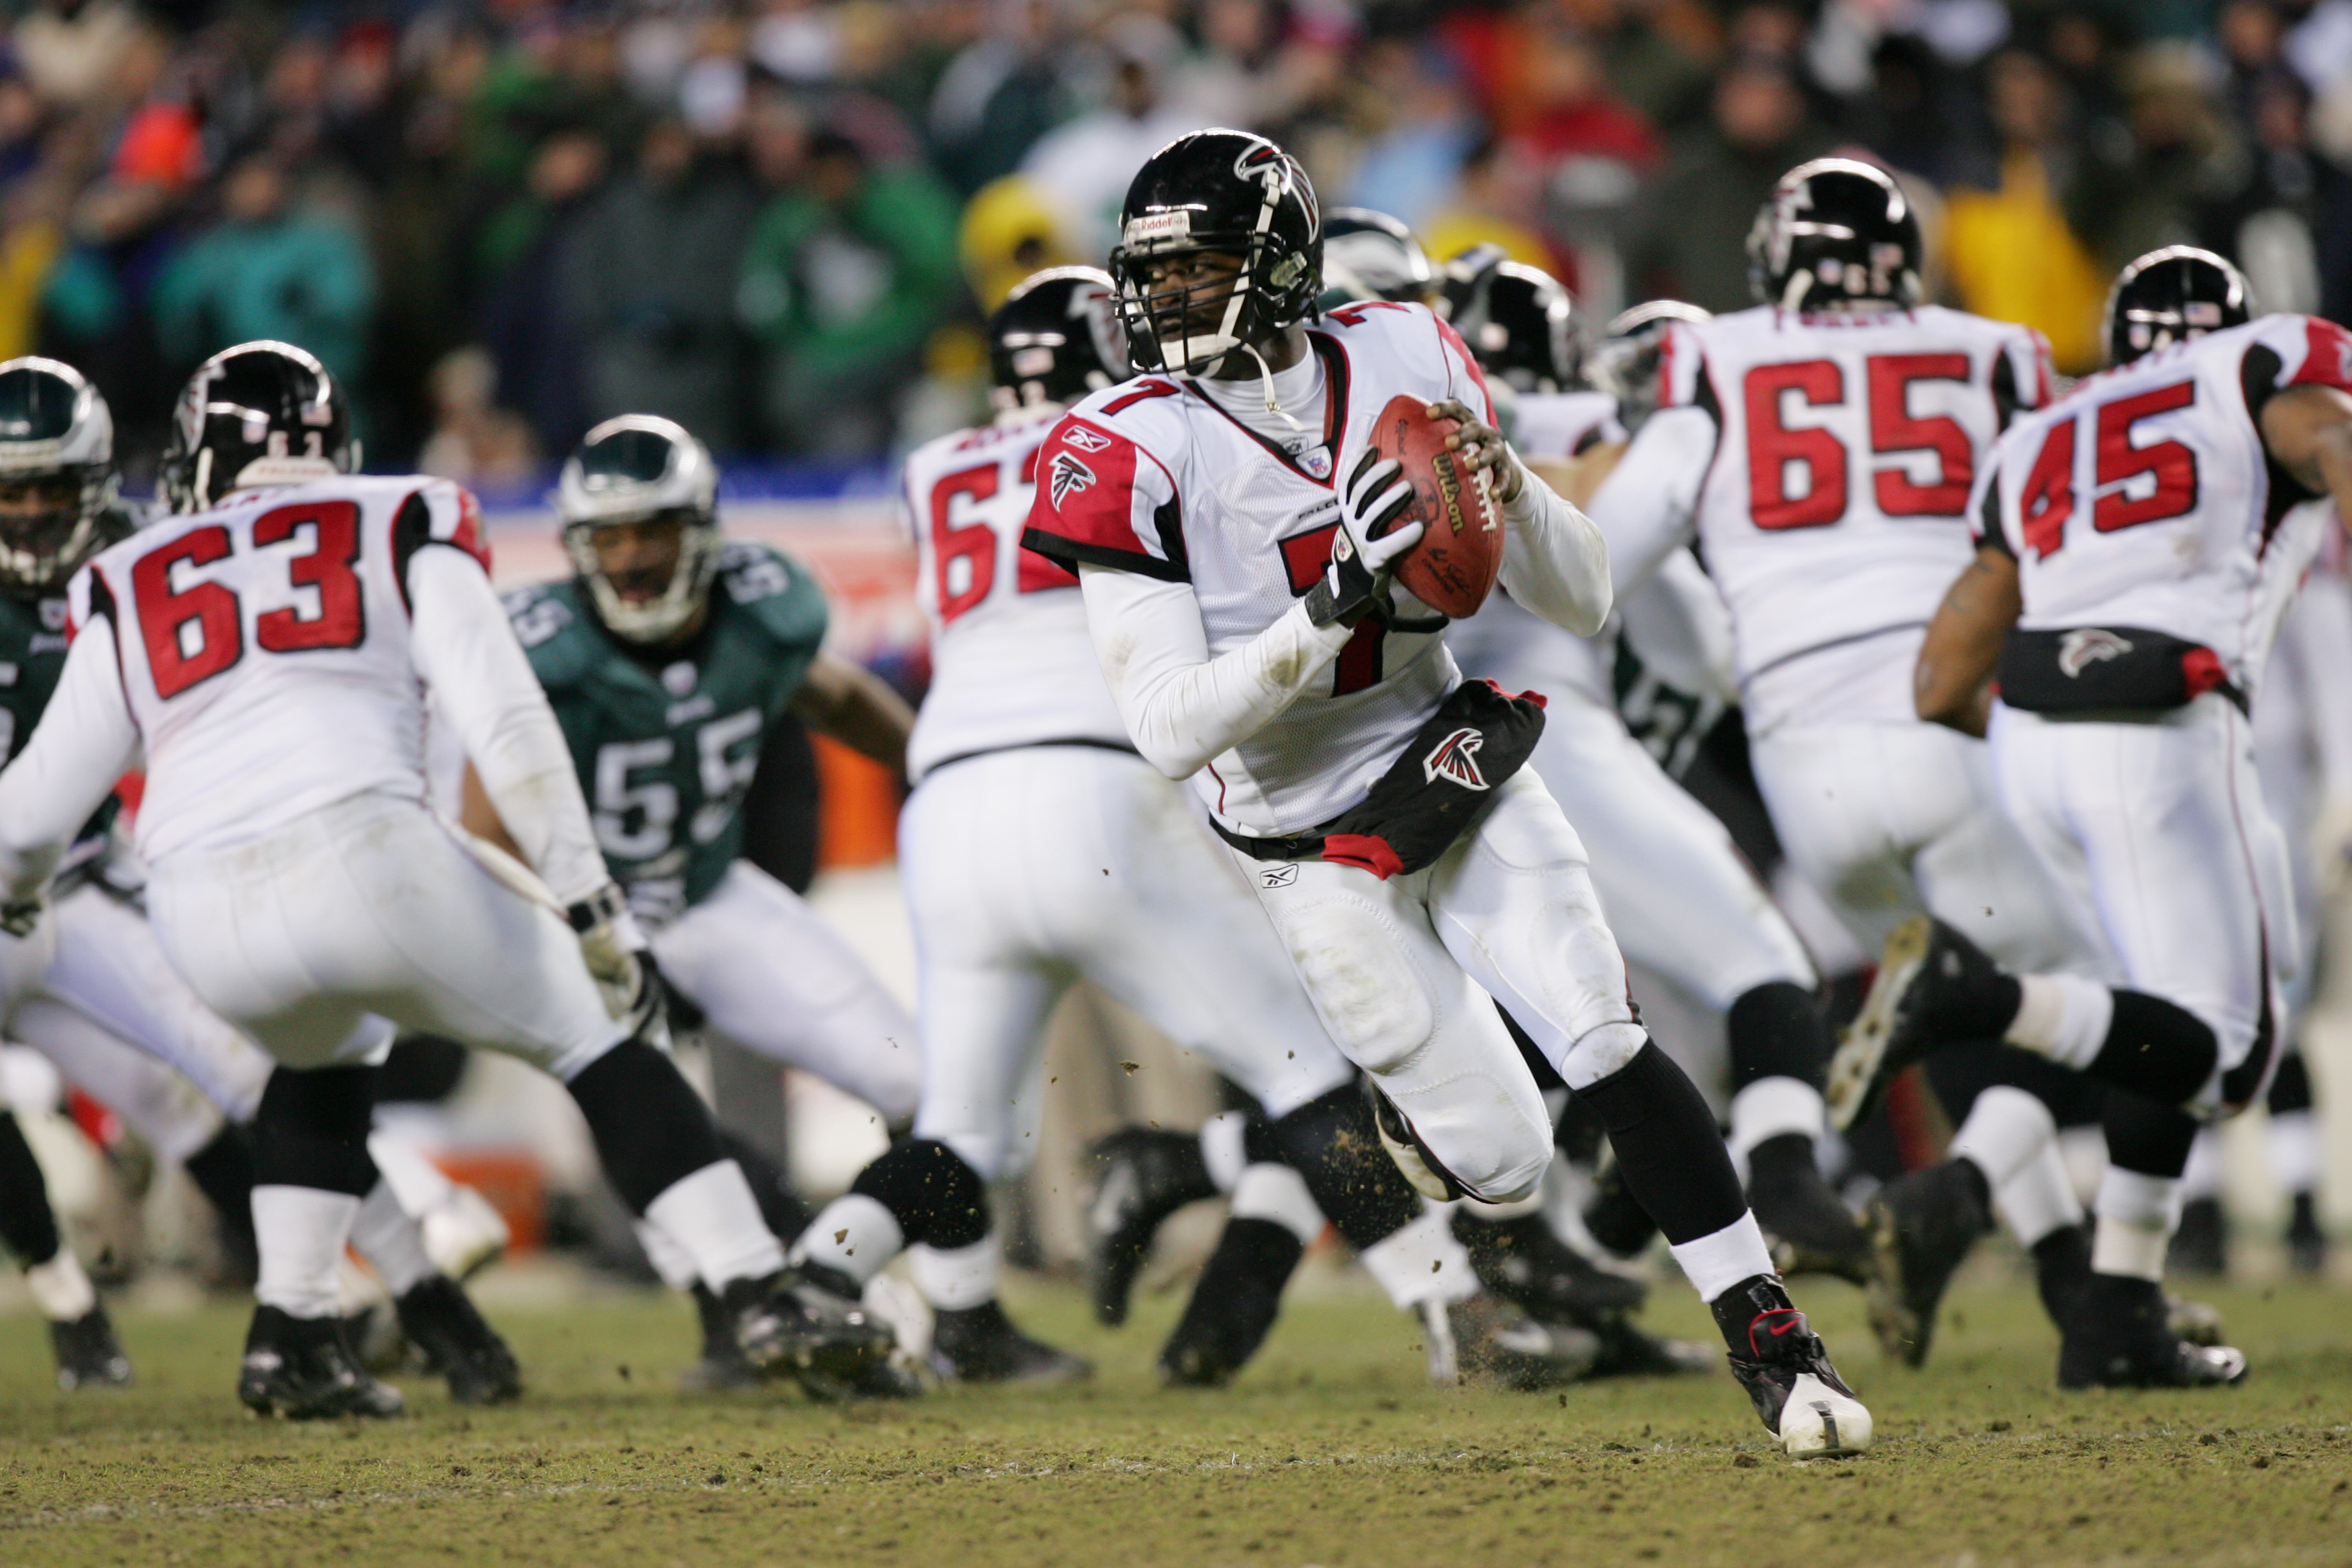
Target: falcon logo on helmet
{"type": "Point", "coordinates": [259, 414]}
{"type": "Point", "coordinates": [56, 472]}
{"type": "Point", "coordinates": [645, 474]}
{"type": "Point", "coordinates": [1455, 759]}
{"type": "Point", "coordinates": [1055, 337]}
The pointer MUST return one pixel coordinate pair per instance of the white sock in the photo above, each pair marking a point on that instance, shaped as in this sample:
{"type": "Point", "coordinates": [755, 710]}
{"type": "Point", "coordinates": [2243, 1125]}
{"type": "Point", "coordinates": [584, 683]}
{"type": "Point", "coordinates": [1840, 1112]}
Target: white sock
{"type": "Point", "coordinates": [671, 1261]}
{"type": "Point", "coordinates": [854, 1235]}
{"type": "Point", "coordinates": [713, 1215]}
{"type": "Point", "coordinates": [418, 1184]}
{"type": "Point", "coordinates": [958, 1279]}
{"type": "Point", "coordinates": [1771, 1108]}
{"type": "Point", "coordinates": [302, 1231]}
{"type": "Point", "coordinates": [1279, 1194]}
{"type": "Point", "coordinates": [1221, 1147]}
{"type": "Point", "coordinates": [2039, 1197]}
{"type": "Point", "coordinates": [2005, 1128]}
{"type": "Point", "coordinates": [1421, 1262]}
{"type": "Point", "coordinates": [2137, 1215]}
{"type": "Point", "coordinates": [2202, 1177]}
{"type": "Point", "coordinates": [60, 1289]}
{"type": "Point", "coordinates": [2062, 1017]}
{"type": "Point", "coordinates": [2296, 1150]}
{"type": "Point", "coordinates": [1715, 1263]}
{"type": "Point", "coordinates": [383, 1233]}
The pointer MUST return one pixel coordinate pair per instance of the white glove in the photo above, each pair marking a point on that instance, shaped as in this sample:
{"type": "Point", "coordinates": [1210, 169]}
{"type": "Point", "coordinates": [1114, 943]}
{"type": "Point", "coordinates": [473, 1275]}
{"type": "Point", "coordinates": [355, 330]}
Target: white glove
{"type": "Point", "coordinates": [614, 946]}
{"type": "Point", "coordinates": [1366, 544]}
{"type": "Point", "coordinates": [22, 919]}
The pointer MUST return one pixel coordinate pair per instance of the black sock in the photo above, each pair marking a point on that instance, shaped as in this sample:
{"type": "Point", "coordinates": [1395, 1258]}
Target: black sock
{"type": "Point", "coordinates": [26, 1222]}
{"type": "Point", "coordinates": [1234, 1303]}
{"type": "Point", "coordinates": [1777, 1030]}
{"type": "Point", "coordinates": [651, 1130]}
{"type": "Point", "coordinates": [2155, 1049]}
{"type": "Point", "coordinates": [311, 1129]}
{"type": "Point", "coordinates": [1667, 1146]}
{"type": "Point", "coordinates": [1333, 1145]}
{"type": "Point", "coordinates": [2062, 1266]}
{"type": "Point", "coordinates": [1780, 1162]}
{"type": "Point", "coordinates": [2290, 1085]}
{"type": "Point", "coordinates": [222, 1171]}
{"type": "Point", "coordinates": [937, 1199]}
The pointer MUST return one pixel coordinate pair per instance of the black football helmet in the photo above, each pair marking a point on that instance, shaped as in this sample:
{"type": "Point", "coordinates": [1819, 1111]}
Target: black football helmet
{"type": "Point", "coordinates": [1227, 193]}
{"type": "Point", "coordinates": [258, 414]}
{"type": "Point", "coordinates": [1834, 232]}
{"type": "Point", "coordinates": [1055, 337]}
{"type": "Point", "coordinates": [1368, 254]}
{"type": "Point", "coordinates": [1625, 364]}
{"type": "Point", "coordinates": [56, 473]}
{"type": "Point", "coordinates": [2170, 296]}
{"type": "Point", "coordinates": [1518, 320]}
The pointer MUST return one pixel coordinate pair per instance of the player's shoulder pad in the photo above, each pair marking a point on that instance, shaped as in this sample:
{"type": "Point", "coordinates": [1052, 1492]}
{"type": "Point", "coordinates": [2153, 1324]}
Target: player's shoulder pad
{"type": "Point", "coordinates": [2285, 350]}
{"type": "Point", "coordinates": [555, 630]}
{"type": "Point", "coordinates": [774, 591]}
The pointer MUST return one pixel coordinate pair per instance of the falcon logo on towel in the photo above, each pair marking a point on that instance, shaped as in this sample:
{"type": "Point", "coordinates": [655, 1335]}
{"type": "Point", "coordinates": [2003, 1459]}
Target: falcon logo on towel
{"type": "Point", "coordinates": [2078, 650]}
{"type": "Point", "coordinates": [1457, 758]}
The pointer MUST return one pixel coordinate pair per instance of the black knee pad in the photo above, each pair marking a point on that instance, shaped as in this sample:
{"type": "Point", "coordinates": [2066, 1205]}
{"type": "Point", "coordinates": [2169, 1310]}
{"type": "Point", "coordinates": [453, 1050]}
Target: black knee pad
{"type": "Point", "coordinates": [651, 1130]}
{"type": "Point", "coordinates": [1777, 1029]}
{"type": "Point", "coordinates": [28, 1224]}
{"type": "Point", "coordinates": [2291, 1089]}
{"type": "Point", "coordinates": [311, 1129]}
{"type": "Point", "coordinates": [2146, 1136]}
{"type": "Point", "coordinates": [2157, 1048]}
{"type": "Point", "coordinates": [1668, 1149]}
{"type": "Point", "coordinates": [1333, 1145]}
{"type": "Point", "coordinates": [1959, 1074]}
{"type": "Point", "coordinates": [937, 1199]}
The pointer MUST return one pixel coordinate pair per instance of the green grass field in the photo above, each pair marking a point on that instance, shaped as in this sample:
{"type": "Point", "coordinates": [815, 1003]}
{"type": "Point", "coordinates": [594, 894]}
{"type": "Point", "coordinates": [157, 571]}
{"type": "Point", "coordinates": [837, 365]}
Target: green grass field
{"type": "Point", "coordinates": [1330, 1452]}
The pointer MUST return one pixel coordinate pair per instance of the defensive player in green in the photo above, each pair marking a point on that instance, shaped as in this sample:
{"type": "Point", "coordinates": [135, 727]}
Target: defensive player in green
{"type": "Point", "coordinates": [666, 656]}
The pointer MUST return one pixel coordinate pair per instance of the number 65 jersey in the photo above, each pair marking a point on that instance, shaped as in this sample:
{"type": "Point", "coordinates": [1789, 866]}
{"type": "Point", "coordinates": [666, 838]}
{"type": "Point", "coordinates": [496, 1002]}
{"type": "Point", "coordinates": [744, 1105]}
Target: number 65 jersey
{"type": "Point", "coordinates": [265, 650]}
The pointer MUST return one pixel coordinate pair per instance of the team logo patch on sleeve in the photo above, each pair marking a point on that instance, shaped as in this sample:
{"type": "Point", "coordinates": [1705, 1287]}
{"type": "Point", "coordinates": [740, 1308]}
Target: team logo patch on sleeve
{"type": "Point", "coordinates": [1455, 759]}
{"type": "Point", "coordinates": [2078, 650]}
{"type": "Point", "coordinates": [1068, 477]}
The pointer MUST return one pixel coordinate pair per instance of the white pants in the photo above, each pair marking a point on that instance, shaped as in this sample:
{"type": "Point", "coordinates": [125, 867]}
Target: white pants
{"type": "Point", "coordinates": [773, 977]}
{"type": "Point", "coordinates": [2165, 860]}
{"type": "Point", "coordinates": [1405, 974]}
{"type": "Point", "coordinates": [1678, 896]}
{"type": "Point", "coordinates": [319, 937]}
{"type": "Point", "coordinates": [1028, 869]}
{"type": "Point", "coordinates": [1892, 820]}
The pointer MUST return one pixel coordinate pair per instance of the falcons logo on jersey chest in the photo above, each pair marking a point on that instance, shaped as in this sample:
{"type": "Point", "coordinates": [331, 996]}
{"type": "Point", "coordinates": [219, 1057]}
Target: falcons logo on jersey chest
{"type": "Point", "coordinates": [2078, 650]}
{"type": "Point", "coordinates": [1067, 477]}
{"type": "Point", "coordinates": [1456, 760]}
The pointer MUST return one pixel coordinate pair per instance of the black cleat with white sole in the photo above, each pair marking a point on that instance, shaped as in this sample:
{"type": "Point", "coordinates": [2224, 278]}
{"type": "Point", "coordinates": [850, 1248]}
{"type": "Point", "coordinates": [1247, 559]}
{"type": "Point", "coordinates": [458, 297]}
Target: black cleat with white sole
{"type": "Point", "coordinates": [722, 1364]}
{"type": "Point", "coordinates": [1787, 1374]}
{"type": "Point", "coordinates": [2120, 1335]}
{"type": "Point", "coordinates": [979, 1345]}
{"type": "Point", "coordinates": [1921, 1228]}
{"type": "Point", "coordinates": [1934, 987]}
{"type": "Point", "coordinates": [87, 1353]}
{"type": "Point", "coordinates": [441, 1322]}
{"type": "Point", "coordinates": [1145, 1175]}
{"type": "Point", "coordinates": [808, 1325]}
{"type": "Point", "coordinates": [303, 1369]}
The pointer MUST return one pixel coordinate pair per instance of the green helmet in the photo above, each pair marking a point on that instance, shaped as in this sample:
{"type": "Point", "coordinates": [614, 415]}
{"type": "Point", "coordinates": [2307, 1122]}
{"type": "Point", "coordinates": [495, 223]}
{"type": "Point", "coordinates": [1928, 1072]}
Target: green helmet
{"type": "Point", "coordinates": [57, 450]}
{"type": "Point", "coordinates": [641, 468]}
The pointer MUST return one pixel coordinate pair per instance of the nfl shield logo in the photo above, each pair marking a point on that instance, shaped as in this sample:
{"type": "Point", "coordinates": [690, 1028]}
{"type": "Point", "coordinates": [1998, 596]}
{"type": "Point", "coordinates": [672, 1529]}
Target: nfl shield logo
{"type": "Point", "coordinates": [1317, 462]}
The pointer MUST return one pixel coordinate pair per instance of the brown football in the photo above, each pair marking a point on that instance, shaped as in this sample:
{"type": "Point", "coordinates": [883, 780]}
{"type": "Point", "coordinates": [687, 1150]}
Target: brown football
{"type": "Point", "coordinates": [1453, 569]}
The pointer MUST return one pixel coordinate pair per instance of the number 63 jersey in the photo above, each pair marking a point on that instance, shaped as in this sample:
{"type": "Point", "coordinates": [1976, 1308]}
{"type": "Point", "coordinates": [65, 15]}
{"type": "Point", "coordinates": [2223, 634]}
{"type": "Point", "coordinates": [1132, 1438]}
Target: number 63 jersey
{"type": "Point", "coordinates": [264, 649]}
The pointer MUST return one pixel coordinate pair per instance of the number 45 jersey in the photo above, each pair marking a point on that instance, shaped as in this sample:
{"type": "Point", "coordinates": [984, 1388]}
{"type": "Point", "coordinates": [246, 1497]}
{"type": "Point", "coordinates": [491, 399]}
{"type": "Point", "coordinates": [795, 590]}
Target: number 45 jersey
{"type": "Point", "coordinates": [1826, 461]}
{"type": "Point", "coordinates": [2145, 497]}
{"type": "Point", "coordinates": [667, 743]}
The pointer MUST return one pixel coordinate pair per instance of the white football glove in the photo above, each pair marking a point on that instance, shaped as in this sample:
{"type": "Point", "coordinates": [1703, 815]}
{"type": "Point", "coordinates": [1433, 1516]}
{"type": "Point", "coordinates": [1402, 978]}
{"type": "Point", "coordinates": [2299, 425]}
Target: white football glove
{"type": "Point", "coordinates": [1366, 546]}
{"type": "Point", "coordinates": [21, 919]}
{"type": "Point", "coordinates": [613, 947]}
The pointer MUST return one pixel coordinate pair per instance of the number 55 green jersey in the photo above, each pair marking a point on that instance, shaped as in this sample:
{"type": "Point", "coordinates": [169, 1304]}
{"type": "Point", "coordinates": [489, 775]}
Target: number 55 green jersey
{"type": "Point", "coordinates": [667, 740]}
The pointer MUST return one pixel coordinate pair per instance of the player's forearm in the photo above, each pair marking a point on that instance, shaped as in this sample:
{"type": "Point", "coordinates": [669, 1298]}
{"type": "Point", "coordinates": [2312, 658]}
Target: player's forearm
{"type": "Point", "coordinates": [857, 708]}
{"type": "Point", "coordinates": [466, 654]}
{"type": "Point", "coordinates": [1183, 708]}
{"type": "Point", "coordinates": [84, 742]}
{"type": "Point", "coordinates": [1645, 507]}
{"type": "Point", "coordinates": [1952, 683]}
{"type": "Point", "coordinates": [1554, 560]}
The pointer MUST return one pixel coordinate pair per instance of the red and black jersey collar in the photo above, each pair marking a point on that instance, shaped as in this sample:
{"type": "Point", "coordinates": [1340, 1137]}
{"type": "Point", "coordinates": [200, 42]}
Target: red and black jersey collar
{"type": "Point", "coordinates": [1335, 409]}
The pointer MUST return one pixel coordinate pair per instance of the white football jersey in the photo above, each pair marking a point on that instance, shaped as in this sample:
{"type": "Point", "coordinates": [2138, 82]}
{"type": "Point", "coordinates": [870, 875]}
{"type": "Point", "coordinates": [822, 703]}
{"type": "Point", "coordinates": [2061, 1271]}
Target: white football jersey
{"type": "Point", "coordinates": [1151, 477]}
{"type": "Point", "coordinates": [1012, 664]}
{"type": "Point", "coordinates": [1833, 514]}
{"type": "Point", "coordinates": [265, 650]}
{"type": "Point", "coordinates": [2145, 497]}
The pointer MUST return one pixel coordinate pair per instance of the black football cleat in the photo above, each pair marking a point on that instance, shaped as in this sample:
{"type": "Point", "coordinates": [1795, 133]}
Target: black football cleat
{"type": "Point", "coordinates": [808, 1325]}
{"type": "Point", "coordinates": [1933, 985]}
{"type": "Point", "coordinates": [440, 1321]}
{"type": "Point", "coordinates": [1488, 1341]}
{"type": "Point", "coordinates": [1522, 1261]}
{"type": "Point", "coordinates": [2120, 1335]}
{"type": "Point", "coordinates": [2306, 1242]}
{"type": "Point", "coordinates": [2200, 1242]}
{"type": "Point", "coordinates": [303, 1369]}
{"type": "Point", "coordinates": [1807, 1229]}
{"type": "Point", "coordinates": [979, 1345]}
{"type": "Point", "coordinates": [722, 1364]}
{"type": "Point", "coordinates": [1921, 1228]}
{"type": "Point", "coordinates": [1627, 1351]}
{"type": "Point", "coordinates": [1234, 1304]}
{"type": "Point", "coordinates": [1787, 1374]}
{"type": "Point", "coordinates": [88, 1355]}
{"type": "Point", "coordinates": [1146, 1176]}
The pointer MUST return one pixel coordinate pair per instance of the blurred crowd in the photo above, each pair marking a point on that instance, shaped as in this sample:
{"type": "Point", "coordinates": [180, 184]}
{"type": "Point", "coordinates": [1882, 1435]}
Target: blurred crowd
{"type": "Point", "coordinates": [779, 221]}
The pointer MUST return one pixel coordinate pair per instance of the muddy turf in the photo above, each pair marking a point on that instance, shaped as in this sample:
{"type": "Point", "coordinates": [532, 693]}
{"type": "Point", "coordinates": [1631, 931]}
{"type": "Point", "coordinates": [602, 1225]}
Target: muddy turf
{"type": "Point", "coordinates": [1329, 1452]}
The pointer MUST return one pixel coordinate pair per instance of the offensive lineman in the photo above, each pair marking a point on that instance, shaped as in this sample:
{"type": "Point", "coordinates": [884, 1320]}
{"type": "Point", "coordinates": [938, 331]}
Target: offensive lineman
{"type": "Point", "coordinates": [1039, 849]}
{"type": "Point", "coordinates": [270, 647]}
{"type": "Point", "coordinates": [1231, 535]}
{"type": "Point", "coordinates": [2140, 541]}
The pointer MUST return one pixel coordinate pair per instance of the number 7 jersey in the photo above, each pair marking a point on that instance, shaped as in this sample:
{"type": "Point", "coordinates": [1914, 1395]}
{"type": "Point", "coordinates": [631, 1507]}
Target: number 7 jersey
{"type": "Point", "coordinates": [264, 648]}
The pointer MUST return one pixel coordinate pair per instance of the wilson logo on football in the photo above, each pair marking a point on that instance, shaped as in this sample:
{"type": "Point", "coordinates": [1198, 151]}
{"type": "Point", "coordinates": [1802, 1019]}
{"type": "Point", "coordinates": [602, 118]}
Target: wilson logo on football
{"type": "Point", "coordinates": [1455, 759]}
{"type": "Point", "coordinates": [1069, 477]}
{"type": "Point", "coordinates": [2077, 651]}
{"type": "Point", "coordinates": [1083, 439]}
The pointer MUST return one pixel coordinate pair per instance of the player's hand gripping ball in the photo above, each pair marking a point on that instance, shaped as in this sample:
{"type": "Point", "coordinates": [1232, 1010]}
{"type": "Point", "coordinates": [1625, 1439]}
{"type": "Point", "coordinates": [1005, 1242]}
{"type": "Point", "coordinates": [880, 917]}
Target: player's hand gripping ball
{"type": "Point", "coordinates": [1453, 569]}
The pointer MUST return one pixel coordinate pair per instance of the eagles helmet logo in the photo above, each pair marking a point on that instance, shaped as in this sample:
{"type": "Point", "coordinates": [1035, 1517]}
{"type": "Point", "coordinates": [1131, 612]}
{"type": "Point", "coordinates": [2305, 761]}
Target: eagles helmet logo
{"type": "Point", "coordinates": [1455, 759]}
{"type": "Point", "coordinates": [2078, 650]}
{"type": "Point", "coordinates": [1069, 476]}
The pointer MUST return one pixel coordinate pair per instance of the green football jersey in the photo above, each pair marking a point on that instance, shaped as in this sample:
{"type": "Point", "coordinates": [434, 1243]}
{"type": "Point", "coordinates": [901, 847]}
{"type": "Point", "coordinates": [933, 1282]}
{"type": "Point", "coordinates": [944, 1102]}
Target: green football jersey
{"type": "Point", "coordinates": [32, 656]}
{"type": "Point", "coordinates": [665, 743]}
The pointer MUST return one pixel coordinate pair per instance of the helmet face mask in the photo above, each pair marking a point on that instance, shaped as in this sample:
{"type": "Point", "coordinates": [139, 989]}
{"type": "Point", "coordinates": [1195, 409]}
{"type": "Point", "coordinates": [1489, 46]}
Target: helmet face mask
{"type": "Point", "coordinates": [639, 503]}
{"type": "Point", "coordinates": [1625, 364]}
{"type": "Point", "coordinates": [1055, 339]}
{"type": "Point", "coordinates": [56, 473]}
{"type": "Point", "coordinates": [2170, 296]}
{"type": "Point", "coordinates": [259, 414]}
{"type": "Point", "coordinates": [1835, 232]}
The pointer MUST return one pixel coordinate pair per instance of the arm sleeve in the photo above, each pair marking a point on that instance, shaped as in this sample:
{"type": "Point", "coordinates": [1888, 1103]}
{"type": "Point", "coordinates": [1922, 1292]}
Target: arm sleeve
{"type": "Point", "coordinates": [1555, 561]}
{"type": "Point", "coordinates": [1646, 507]}
{"type": "Point", "coordinates": [466, 652]}
{"type": "Point", "coordinates": [83, 744]}
{"type": "Point", "coordinates": [1183, 708]}
{"type": "Point", "coordinates": [2322, 627]}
